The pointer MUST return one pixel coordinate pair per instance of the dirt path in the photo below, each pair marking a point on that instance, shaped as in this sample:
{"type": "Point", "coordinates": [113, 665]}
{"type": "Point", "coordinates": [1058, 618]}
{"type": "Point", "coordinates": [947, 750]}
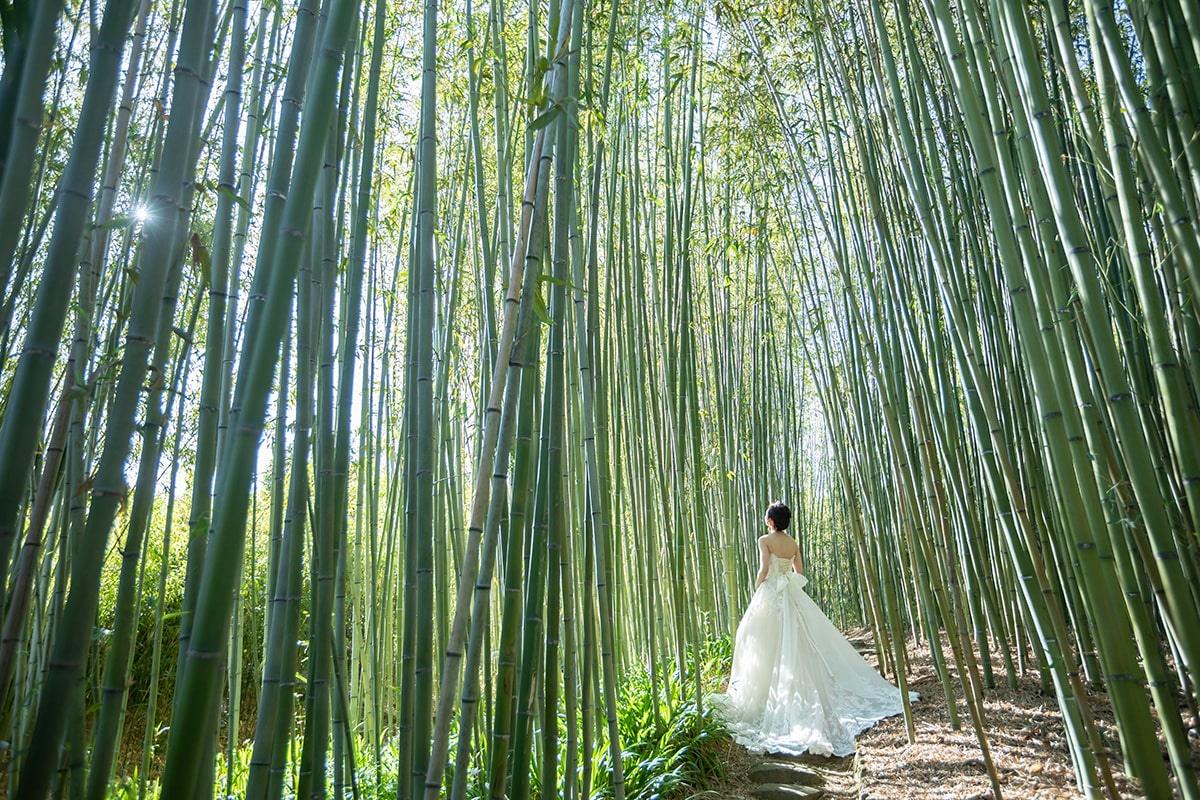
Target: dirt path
{"type": "Point", "coordinates": [1025, 737]}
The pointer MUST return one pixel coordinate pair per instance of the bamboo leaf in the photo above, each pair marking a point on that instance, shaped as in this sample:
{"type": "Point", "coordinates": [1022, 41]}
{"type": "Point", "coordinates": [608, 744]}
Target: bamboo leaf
{"type": "Point", "coordinates": [546, 117]}
{"type": "Point", "coordinates": [117, 222]}
{"type": "Point", "coordinates": [201, 259]}
{"type": "Point", "coordinates": [558, 282]}
{"type": "Point", "coordinates": [540, 310]}
{"type": "Point", "coordinates": [241, 201]}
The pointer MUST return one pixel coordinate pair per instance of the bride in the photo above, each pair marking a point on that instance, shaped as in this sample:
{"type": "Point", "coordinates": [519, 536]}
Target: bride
{"type": "Point", "coordinates": [797, 685]}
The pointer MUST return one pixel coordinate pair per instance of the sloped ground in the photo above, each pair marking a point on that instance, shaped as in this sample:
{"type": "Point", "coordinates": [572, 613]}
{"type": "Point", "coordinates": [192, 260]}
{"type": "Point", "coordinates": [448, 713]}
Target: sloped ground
{"type": "Point", "coordinates": [1025, 737]}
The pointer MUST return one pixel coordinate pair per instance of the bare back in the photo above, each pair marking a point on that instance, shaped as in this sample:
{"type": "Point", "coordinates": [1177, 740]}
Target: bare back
{"type": "Point", "coordinates": [779, 544]}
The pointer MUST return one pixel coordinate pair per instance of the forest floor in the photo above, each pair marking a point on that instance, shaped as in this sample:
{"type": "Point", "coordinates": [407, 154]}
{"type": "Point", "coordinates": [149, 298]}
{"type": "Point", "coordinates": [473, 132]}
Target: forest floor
{"type": "Point", "coordinates": [1025, 737]}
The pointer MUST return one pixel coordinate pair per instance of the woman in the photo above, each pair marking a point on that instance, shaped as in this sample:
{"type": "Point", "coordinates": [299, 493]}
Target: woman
{"type": "Point", "coordinates": [797, 685]}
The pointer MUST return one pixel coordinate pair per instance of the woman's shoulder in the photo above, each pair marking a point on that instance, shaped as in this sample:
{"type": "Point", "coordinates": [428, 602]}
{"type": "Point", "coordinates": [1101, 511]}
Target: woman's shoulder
{"type": "Point", "coordinates": [781, 541]}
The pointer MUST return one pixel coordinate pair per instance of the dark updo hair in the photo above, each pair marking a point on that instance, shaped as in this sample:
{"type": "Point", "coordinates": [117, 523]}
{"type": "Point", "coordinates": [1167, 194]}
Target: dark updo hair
{"type": "Point", "coordinates": [780, 515]}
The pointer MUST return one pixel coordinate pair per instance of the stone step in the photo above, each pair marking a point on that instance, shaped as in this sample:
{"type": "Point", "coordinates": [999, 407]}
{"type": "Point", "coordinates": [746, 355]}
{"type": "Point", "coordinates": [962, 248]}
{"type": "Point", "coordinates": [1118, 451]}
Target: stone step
{"type": "Point", "coordinates": [784, 791]}
{"type": "Point", "coordinates": [785, 773]}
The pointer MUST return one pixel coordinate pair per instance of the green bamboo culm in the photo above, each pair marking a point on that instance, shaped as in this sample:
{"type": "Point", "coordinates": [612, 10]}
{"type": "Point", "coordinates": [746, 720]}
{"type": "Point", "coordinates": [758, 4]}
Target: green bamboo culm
{"type": "Point", "coordinates": [1084, 449]}
{"type": "Point", "coordinates": [25, 128]}
{"type": "Point", "coordinates": [421, 436]}
{"type": "Point", "coordinates": [200, 677]}
{"type": "Point", "coordinates": [30, 388]}
{"type": "Point", "coordinates": [498, 376]}
{"type": "Point", "coordinates": [108, 487]}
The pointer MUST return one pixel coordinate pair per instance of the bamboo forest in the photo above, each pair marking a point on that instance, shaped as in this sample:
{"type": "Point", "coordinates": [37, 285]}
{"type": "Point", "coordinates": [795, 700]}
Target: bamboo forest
{"type": "Point", "coordinates": [392, 392]}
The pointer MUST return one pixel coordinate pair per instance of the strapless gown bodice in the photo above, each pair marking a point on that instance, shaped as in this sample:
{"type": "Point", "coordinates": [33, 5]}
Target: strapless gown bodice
{"type": "Point", "coordinates": [780, 566]}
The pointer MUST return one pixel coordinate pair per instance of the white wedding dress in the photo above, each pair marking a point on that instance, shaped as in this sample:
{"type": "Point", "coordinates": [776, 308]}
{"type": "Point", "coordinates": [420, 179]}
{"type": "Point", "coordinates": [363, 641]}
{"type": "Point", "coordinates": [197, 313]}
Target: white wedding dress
{"type": "Point", "coordinates": [797, 685]}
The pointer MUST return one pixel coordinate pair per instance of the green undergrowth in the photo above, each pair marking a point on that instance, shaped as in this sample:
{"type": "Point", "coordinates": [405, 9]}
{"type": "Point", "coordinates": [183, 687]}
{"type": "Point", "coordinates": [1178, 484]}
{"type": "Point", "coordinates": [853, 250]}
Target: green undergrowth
{"type": "Point", "coordinates": [671, 750]}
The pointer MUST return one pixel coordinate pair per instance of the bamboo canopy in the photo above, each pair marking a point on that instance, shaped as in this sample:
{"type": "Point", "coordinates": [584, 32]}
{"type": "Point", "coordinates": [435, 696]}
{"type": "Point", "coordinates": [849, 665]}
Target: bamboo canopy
{"type": "Point", "coordinates": [383, 385]}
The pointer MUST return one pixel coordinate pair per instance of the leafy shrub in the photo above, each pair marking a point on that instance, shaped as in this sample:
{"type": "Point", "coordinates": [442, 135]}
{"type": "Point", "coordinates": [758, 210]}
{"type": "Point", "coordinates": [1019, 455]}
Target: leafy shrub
{"type": "Point", "coordinates": [140, 676]}
{"type": "Point", "coordinates": [680, 752]}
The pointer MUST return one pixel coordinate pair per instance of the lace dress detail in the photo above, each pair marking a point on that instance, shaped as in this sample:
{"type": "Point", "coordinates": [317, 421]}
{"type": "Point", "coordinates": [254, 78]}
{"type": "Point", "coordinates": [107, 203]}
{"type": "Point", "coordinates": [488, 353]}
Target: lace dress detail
{"type": "Point", "coordinates": [797, 685]}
